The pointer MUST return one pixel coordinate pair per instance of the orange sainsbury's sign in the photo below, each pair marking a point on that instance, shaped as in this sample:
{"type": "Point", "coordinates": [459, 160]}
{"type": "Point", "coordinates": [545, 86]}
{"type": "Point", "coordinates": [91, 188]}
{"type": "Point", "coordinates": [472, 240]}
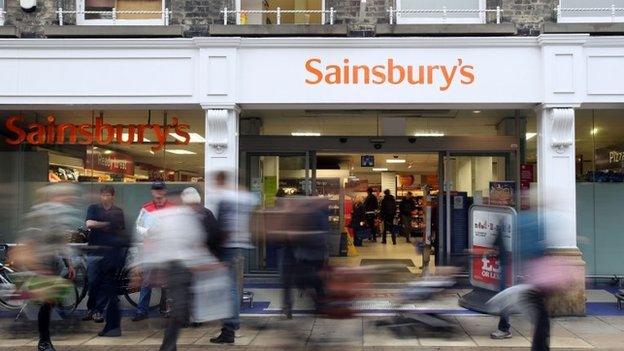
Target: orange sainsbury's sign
{"type": "Point", "coordinates": [99, 133]}
{"type": "Point", "coordinates": [389, 72]}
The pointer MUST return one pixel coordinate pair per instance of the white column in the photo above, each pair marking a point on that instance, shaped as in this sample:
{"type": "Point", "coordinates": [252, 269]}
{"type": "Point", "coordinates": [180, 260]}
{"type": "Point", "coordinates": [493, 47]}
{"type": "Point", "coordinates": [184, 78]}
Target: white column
{"type": "Point", "coordinates": [556, 177]}
{"type": "Point", "coordinates": [221, 147]}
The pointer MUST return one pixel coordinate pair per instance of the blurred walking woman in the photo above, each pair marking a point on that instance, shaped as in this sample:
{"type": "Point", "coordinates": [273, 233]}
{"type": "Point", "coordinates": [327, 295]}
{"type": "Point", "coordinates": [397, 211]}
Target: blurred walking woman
{"type": "Point", "coordinates": [44, 251]}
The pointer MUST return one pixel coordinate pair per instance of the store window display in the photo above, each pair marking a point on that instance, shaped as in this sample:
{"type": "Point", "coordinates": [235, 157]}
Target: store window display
{"type": "Point", "coordinates": [130, 148]}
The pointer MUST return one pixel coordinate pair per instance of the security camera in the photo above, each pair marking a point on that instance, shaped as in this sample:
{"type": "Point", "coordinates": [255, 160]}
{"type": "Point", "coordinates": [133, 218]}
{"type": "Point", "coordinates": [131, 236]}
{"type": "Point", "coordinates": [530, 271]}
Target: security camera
{"type": "Point", "coordinates": [342, 140]}
{"type": "Point", "coordinates": [28, 5]}
{"type": "Point", "coordinates": [411, 140]}
{"type": "Point", "coordinates": [377, 146]}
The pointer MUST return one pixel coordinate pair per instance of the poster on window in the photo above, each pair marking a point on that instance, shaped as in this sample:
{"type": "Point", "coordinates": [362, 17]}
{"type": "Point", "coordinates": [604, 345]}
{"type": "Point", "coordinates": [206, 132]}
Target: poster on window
{"type": "Point", "coordinates": [487, 223]}
{"type": "Point", "coordinates": [502, 193]}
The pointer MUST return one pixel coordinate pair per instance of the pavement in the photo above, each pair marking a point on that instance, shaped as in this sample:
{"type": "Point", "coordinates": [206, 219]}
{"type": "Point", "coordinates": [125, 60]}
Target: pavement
{"type": "Point", "coordinates": [471, 332]}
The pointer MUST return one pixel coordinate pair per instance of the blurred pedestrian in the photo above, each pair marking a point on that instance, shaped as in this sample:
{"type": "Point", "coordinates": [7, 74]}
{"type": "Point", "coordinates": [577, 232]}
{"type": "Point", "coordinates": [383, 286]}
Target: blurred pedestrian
{"type": "Point", "coordinates": [175, 248]}
{"type": "Point", "coordinates": [191, 197]}
{"type": "Point", "coordinates": [406, 207]}
{"type": "Point", "coordinates": [144, 222]}
{"type": "Point", "coordinates": [371, 205]}
{"type": "Point", "coordinates": [387, 213]}
{"type": "Point", "coordinates": [234, 208]}
{"type": "Point", "coordinates": [308, 229]}
{"type": "Point", "coordinates": [98, 215]}
{"type": "Point", "coordinates": [43, 249]}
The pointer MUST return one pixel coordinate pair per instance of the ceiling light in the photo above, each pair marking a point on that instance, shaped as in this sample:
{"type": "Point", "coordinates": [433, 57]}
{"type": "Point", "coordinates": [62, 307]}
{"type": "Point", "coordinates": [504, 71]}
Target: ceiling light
{"type": "Point", "coordinates": [395, 160]}
{"type": "Point", "coordinates": [380, 169]}
{"type": "Point", "coordinates": [125, 136]}
{"type": "Point", "coordinates": [432, 134]}
{"type": "Point", "coordinates": [151, 152]}
{"type": "Point", "coordinates": [108, 152]}
{"type": "Point", "coordinates": [476, 111]}
{"type": "Point", "coordinates": [594, 131]}
{"type": "Point", "coordinates": [530, 136]}
{"type": "Point", "coordinates": [305, 134]}
{"type": "Point", "coordinates": [194, 138]}
{"type": "Point", "coordinates": [181, 152]}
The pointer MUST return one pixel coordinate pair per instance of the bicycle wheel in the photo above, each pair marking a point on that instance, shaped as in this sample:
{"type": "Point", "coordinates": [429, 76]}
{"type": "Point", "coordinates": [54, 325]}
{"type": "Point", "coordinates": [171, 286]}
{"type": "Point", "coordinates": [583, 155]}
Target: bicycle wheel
{"type": "Point", "coordinates": [81, 282]}
{"type": "Point", "coordinates": [133, 295]}
{"type": "Point", "coordinates": [9, 298]}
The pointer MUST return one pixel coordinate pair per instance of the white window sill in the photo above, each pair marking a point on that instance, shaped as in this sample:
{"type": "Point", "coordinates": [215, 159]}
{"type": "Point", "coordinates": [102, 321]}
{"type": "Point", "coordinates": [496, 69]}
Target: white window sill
{"type": "Point", "coordinates": [597, 19]}
{"type": "Point", "coordinates": [402, 20]}
{"type": "Point", "coordinates": [155, 22]}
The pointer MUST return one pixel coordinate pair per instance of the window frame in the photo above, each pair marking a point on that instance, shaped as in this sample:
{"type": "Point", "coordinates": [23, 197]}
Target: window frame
{"type": "Point", "coordinates": [619, 18]}
{"type": "Point", "coordinates": [80, 18]}
{"type": "Point", "coordinates": [238, 7]}
{"type": "Point", "coordinates": [449, 19]}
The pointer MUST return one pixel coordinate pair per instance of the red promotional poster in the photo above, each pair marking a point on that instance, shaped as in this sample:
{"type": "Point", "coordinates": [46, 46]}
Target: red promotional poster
{"type": "Point", "coordinates": [527, 176]}
{"type": "Point", "coordinates": [109, 161]}
{"type": "Point", "coordinates": [487, 223]}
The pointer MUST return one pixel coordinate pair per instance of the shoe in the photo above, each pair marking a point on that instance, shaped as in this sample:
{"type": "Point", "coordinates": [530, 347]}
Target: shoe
{"type": "Point", "coordinates": [226, 337]}
{"type": "Point", "coordinates": [498, 335]}
{"type": "Point", "coordinates": [113, 333]}
{"type": "Point", "coordinates": [196, 324]}
{"type": "Point", "coordinates": [45, 346]}
{"type": "Point", "coordinates": [88, 316]}
{"type": "Point", "coordinates": [287, 313]}
{"type": "Point", "coordinates": [98, 318]}
{"type": "Point", "coordinates": [139, 317]}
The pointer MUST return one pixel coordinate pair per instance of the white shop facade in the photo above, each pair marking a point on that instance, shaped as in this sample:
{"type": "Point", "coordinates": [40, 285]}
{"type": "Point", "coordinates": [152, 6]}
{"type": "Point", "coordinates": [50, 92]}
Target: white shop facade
{"type": "Point", "coordinates": [515, 98]}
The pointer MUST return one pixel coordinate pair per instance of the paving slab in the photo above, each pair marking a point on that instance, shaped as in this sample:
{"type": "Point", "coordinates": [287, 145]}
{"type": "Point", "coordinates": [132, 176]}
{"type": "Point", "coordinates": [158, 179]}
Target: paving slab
{"type": "Point", "coordinates": [331, 332]}
{"type": "Point", "coordinates": [375, 335]}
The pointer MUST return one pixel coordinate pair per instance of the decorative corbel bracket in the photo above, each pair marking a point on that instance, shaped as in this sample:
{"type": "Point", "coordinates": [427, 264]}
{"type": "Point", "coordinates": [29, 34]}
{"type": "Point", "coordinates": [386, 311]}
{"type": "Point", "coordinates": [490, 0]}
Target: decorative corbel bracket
{"type": "Point", "coordinates": [562, 129]}
{"type": "Point", "coordinates": [217, 130]}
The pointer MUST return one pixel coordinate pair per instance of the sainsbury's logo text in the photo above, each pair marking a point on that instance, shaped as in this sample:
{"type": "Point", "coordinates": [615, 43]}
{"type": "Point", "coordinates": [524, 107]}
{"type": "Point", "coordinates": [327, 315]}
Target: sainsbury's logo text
{"type": "Point", "coordinates": [441, 76]}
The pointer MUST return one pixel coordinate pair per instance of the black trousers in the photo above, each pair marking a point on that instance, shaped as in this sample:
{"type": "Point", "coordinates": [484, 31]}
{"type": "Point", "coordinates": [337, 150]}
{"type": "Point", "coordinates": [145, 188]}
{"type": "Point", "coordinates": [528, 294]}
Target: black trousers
{"type": "Point", "coordinates": [541, 321]}
{"type": "Point", "coordinates": [43, 321]}
{"type": "Point", "coordinates": [179, 280]}
{"type": "Point", "coordinates": [370, 222]}
{"type": "Point", "coordinates": [389, 226]}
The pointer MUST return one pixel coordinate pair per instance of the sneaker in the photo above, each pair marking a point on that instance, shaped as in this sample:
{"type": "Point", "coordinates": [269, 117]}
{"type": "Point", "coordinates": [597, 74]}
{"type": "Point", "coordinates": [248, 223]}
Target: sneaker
{"type": "Point", "coordinates": [139, 317]}
{"type": "Point", "coordinates": [498, 335]}
{"type": "Point", "coordinates": [45, 346]}
{"type": "Point", "coordinates": [88, 316]}
{"type": "Point", "coordinates": [226, 337]}
{"type": "Point", "coordinates": [98, 318]}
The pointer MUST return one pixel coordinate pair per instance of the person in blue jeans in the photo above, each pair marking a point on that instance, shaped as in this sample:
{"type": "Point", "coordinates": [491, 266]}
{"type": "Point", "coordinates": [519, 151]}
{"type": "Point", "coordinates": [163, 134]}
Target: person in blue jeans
{"type": "Point", "coordinates": [143, 224]}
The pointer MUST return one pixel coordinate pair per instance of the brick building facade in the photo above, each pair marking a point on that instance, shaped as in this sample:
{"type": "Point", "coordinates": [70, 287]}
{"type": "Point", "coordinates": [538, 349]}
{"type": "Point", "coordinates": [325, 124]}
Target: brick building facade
{"type": "Point", "coordinates": [195, 16]}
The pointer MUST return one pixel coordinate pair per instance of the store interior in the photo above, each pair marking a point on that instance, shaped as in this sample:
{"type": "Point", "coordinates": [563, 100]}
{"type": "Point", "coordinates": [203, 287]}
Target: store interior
{"type": "Point", "coordinates": [342, 178]}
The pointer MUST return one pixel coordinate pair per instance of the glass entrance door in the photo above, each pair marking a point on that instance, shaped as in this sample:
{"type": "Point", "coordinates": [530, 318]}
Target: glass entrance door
{"type": "Point", "coordinates": [269, 176]}
{"type": "Point", "coordinates": [483, 179]}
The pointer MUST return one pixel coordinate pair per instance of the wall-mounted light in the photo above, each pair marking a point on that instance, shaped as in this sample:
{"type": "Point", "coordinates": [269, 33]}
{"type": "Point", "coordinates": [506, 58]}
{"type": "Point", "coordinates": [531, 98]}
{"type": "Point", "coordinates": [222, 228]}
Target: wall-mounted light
{"type": "Point", "coordinates": [384, 169]}
{"type": "Point", "coordinates": [530, 136]}
{"type": "Point", "coordinates": [305, 134]}
{"type": "Point", "coordinates": [429, 134]}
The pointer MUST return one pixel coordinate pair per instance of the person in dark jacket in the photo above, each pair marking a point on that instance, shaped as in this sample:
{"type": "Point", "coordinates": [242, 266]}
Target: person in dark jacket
{"type": "Point", "coordinates": [387, 213]}
{"type": "Point", "coordinates": [370, 206]}
{"type": "Point", "coordinates": [406, 207]}
{"type": "Point", "coordinates": [358, 221]}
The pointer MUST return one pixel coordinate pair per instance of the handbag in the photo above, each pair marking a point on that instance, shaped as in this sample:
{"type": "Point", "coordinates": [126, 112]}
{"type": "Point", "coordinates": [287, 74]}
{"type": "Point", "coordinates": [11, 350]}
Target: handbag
{"type": "Point", "coordinates": [212, 297]}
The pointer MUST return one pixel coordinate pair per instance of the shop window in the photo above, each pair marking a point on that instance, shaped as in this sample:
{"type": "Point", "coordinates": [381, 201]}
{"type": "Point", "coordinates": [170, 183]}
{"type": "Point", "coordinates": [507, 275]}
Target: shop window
{"type": "Point", "coordinates": [289, 11]}
{"type": "Point", "coordinates": [600, 189]}
{"type": "Point", "coordinates": [121, 12]}
{"type": "Point", "coordinates": [126, 149]}
{"type": "Point", "coordinates": [584, 11]}
{"type": "Point", "coordinates": [440, 11]}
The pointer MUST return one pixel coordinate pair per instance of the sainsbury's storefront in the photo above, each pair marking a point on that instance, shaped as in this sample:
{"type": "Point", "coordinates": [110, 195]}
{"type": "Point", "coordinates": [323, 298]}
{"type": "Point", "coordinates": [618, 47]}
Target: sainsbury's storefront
{"type": "Point", "coordinates": [174, 107]}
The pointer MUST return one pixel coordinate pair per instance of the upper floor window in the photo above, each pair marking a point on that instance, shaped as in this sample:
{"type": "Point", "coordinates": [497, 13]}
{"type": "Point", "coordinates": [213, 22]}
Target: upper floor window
{"type": "Point", "coordinates": [2, 12]}
{"type": "Point", "coordinates": [440, 11]}
{"type": "Point", "coordinates": [587, 11]}
{"type": "Point", "coordinates": [290, 12]}
{"type": "Point", "coordinates": [122, 12]}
